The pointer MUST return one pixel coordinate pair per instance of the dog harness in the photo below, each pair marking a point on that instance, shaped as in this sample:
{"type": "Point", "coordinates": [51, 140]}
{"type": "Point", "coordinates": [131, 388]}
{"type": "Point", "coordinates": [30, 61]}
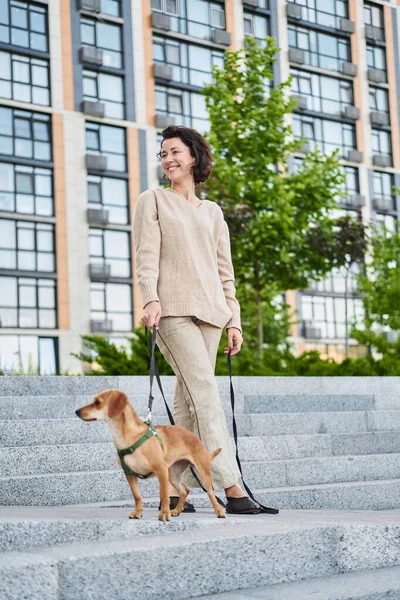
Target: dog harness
{"type": "Point", "coordinates": [135, 446]}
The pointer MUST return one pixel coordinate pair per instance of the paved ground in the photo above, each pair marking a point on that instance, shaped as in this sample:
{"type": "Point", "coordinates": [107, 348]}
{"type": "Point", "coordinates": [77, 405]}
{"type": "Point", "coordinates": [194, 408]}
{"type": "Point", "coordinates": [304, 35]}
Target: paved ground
{"type": "Point", "coordinates": [284, 520]}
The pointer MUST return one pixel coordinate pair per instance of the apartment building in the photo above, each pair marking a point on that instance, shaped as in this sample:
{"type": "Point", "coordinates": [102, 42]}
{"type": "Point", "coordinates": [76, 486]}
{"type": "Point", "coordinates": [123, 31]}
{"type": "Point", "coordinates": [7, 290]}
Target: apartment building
{"type": "Point", "coordinates": [86, 87]}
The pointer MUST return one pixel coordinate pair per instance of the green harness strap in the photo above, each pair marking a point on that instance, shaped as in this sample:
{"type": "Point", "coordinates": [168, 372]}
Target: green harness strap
{"type": "Point", "coordinates": [135, 446]}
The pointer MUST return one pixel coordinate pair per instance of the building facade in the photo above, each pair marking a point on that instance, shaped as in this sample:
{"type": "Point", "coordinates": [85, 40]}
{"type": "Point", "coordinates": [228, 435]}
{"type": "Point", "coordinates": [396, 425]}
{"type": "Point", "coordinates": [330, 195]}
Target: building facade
{"type": "Point", "coordinates": [86, 87]}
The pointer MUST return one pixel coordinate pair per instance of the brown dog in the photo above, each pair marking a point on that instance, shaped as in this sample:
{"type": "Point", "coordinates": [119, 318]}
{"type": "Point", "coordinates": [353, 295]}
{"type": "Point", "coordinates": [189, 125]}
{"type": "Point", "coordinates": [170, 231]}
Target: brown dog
{"type": "Point", "coordinates": [180, 449]}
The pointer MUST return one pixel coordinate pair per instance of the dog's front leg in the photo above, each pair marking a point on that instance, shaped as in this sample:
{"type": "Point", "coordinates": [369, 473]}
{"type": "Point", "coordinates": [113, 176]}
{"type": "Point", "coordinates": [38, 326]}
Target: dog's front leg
{"type": "Point", "coordinates": [162, 474]}
{"type": "Point", "coordinates": [134, 485]}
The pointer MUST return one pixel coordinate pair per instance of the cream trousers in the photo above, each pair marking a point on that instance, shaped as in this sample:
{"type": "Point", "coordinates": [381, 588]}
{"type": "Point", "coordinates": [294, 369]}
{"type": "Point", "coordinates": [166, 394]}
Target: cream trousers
{"type": "Point", "coordinates": [190, 347]}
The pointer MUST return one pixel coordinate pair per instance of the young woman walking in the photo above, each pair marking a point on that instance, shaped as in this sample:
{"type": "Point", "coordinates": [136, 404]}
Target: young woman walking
{"type": "Point", "coordinates": [186, 280]}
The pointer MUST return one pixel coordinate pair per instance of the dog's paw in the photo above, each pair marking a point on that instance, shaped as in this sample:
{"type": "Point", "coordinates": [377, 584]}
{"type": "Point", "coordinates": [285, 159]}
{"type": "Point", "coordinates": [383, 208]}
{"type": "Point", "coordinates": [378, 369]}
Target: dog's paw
{"type": "Point", "coordinates": [175, 513]}
{"type": "Point", "coordinates": [164, 515]}
{"type": "Point", "coordinates": [220, 513]}
{"type": "Point", "coordinates": [135, 514]}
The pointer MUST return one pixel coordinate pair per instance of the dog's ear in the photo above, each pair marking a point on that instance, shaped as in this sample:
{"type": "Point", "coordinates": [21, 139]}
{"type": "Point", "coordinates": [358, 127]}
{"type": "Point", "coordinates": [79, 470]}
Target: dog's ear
{"type": "Point", "coordinates": [117, 403]}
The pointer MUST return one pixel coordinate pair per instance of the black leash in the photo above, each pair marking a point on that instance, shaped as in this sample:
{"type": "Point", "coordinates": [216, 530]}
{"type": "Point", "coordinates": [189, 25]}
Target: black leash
{"type": "Point", "coordinates": [155, 373]}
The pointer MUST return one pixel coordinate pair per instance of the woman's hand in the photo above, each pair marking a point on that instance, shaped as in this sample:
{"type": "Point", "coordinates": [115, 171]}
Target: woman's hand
{"type": "Point", "coordinates": [234, 335]}
{"type": "Point", "coordinates": [152, 314]}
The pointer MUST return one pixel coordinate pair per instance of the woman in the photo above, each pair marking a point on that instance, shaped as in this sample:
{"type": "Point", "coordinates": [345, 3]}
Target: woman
{"type": "Point", "coordinates": [186, 279]}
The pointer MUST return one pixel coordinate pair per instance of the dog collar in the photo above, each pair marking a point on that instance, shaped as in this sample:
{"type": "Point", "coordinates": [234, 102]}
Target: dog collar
{"type": "Point", "coordinates": [135, 446]}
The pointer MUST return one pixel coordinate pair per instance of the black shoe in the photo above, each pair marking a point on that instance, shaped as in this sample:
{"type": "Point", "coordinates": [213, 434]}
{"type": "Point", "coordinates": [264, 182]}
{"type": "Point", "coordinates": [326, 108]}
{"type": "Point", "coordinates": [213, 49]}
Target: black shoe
{"type": "Point", "coordinates": [241, 506]}
{"type": "Point", "coordinates": [173, 502]}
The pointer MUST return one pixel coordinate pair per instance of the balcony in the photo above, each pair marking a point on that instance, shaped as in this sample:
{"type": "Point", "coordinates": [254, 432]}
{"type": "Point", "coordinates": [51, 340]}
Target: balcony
{"type": "Point", "coordinates": [383, 204]}
{"type": "Point", "coordinates": [162, 71]}
{"type": "Point", "coordinates": [379, 118]}
{"type": "Point", "coordinates": [351, 112]}
{"type": "Point", "coordinates": [91, 55]}
{"type": "Point", "coordinates": [160, 21]}
{"type": "Point", "coordinates": [95, 109]}
{"type": "Point", "coordinates": [99, 271]}
{"type": "Point", "coordinates": [92, 5]}
{"type": "Point", "coordinates": [347, 26]}
{"type": "Point", "coordinates": [355, 156]}
{"type": "Point", "coordinates": [97, 216]}
{"type": "Point", "coordinates": [96, 162]}
{"type": "Point", "coordinates": [354, 201]}
{"type": "Point", "coordinates": [220, 36]}
{"type": "Point", "coordinates": [310, 331]}
{"type": "Point", "coordinates": [293, 11]}
{"type": "Point", "coordinates": [101, 326]}
{"type": "Point", "coordinates": [301, 101]}
{"type": "Point", "coordinates": [163, 121]}
{"type": "Point", "coordinates": [376, 75]}
{"type": "Point", "coordinates": [349, 68]}
{"type": "Point", "coordinates": [381, 160]}
{"type": "Point", "coordinates": [297, 56]}
{"type": "Point", "coordinates": [374, 34]}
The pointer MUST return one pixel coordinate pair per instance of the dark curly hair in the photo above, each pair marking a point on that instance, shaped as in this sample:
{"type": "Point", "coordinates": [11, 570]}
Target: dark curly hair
{"type": "Point", "coordinates": [199, 150]}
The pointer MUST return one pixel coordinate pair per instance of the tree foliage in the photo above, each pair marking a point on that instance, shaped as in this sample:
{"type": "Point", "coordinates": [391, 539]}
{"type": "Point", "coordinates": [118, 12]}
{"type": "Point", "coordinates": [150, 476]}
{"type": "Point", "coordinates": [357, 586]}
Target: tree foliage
{"type": "Point", "coordinates": [270, 208]}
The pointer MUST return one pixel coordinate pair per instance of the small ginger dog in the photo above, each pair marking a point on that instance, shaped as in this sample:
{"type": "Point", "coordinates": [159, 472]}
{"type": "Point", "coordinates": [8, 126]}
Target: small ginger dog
{"type": "Point", "coordinates": [180, 449]}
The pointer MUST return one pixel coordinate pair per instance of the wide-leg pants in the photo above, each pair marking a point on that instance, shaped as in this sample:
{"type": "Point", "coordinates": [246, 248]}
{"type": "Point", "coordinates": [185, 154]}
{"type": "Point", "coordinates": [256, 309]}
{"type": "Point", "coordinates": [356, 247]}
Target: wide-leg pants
{"type": "Point", "coordinates": [190, 347]}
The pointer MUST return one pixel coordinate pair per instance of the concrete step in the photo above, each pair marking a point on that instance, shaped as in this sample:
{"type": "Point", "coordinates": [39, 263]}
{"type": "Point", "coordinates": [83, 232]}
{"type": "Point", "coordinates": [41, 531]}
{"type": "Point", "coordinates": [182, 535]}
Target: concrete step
{"type": "Point", "coordinates": [268, 452]}
{"type": "Point", "coordinates": [33, 432]}
{"type": "Point", "coordinates": [291, 484]}
{"type": "Point", "coordinates": [308, 403]}
{"type": "Point", "coordinates": [64, 406]}
{"type": "Point", "coordinates": [377, 584]}
{"type": "Point", "coordinates": [230, 556]}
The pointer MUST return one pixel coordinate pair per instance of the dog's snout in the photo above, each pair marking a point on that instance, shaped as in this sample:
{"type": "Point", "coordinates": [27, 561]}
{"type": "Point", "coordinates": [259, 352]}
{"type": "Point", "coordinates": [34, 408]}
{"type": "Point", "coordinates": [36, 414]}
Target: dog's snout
{"type": "Point", "coordinates": [78, 412]}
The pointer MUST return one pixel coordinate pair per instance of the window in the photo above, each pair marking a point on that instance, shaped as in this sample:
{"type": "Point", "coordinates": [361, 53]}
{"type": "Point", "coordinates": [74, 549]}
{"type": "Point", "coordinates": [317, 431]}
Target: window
{"type": "Point", "coordinates": [24, 24]}
{"type": "Point", "coordinates": [324, 94]}
{"type": "Point", "coordinates": [256, 26]}
{"type": "Point", "coordinates": [188, 108]}
{"type": "Point", "coordinates": [25, 134]}
{"type": "Point", "coordinates": [327, 314]}
{"type": "Point", "coordinates": [111, 7]}
{"type": "Point", "coordinates": [24, 79]}
{"type": "Point", "coordinates": [105, 37]}
{"type": "Point", "coordinates": [28, 354]}
{"type": "Point", "coordinates": [327, 135]}
{"type": "Point", "coordinates": [378, 99]}
{"type": "Point", "coordinates": [107, 141]}
{"type": "Point", "coordinates": [197, 18]}
{"type": "Point", "coordinates": [27, 246]}
{"type": "Point", "coordinates": [109, 89]}
{"type": "Point", "coordinates": [382, 190]}
{"type": "Point", "coordinates": [27, 303]}
{"type": "Point", "coordinates": [381, 142]}
{"type": "Point", "coordinates": [335, 282]}
{"type": "Point", "coordinates": [373, 15]}
{"type": "Point", "coordinates": [111, 194]}
{"type": "Point", "coordinates": [112, 301]}
{"type": "Point", "coordinates": [320, 49]}
{"type": "Point", "coordinates": [376, 58]}
{"type": "Point", "coordinates": [111, 248]}
{"type": "Point", "coordinates": [324, 12]}
{"type": "Point", "coordinates": [385, 221]}
{"type": "Point", "coordinates": [27, 190]}
{"type": "Point", "coordinates": [189, 63]}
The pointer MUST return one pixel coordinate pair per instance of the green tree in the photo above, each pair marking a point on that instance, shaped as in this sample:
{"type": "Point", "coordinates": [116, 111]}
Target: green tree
{"type": "Point", "coordinates": [105, 358]}
{"type": "Point", "coordinates": [272, 210]}
{"type": "Point", "coordinates": [380, 284]}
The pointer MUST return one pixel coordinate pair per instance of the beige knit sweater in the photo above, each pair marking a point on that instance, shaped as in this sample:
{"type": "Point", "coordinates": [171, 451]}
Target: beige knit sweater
{"type": "Point", "coordinates": [183, 258]}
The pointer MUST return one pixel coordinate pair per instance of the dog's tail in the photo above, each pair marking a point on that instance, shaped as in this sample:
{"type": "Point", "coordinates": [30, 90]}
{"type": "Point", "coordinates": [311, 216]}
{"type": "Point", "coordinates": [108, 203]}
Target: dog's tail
{"type": "Point", "coordinates": [215, 453]}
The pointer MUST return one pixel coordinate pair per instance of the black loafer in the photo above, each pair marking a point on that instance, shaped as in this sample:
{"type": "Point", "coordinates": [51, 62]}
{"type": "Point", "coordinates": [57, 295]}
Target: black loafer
{"type": "Point", "coordinates": [241, 506]}
{"type": "Point", "coordinates": [173, 502]}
